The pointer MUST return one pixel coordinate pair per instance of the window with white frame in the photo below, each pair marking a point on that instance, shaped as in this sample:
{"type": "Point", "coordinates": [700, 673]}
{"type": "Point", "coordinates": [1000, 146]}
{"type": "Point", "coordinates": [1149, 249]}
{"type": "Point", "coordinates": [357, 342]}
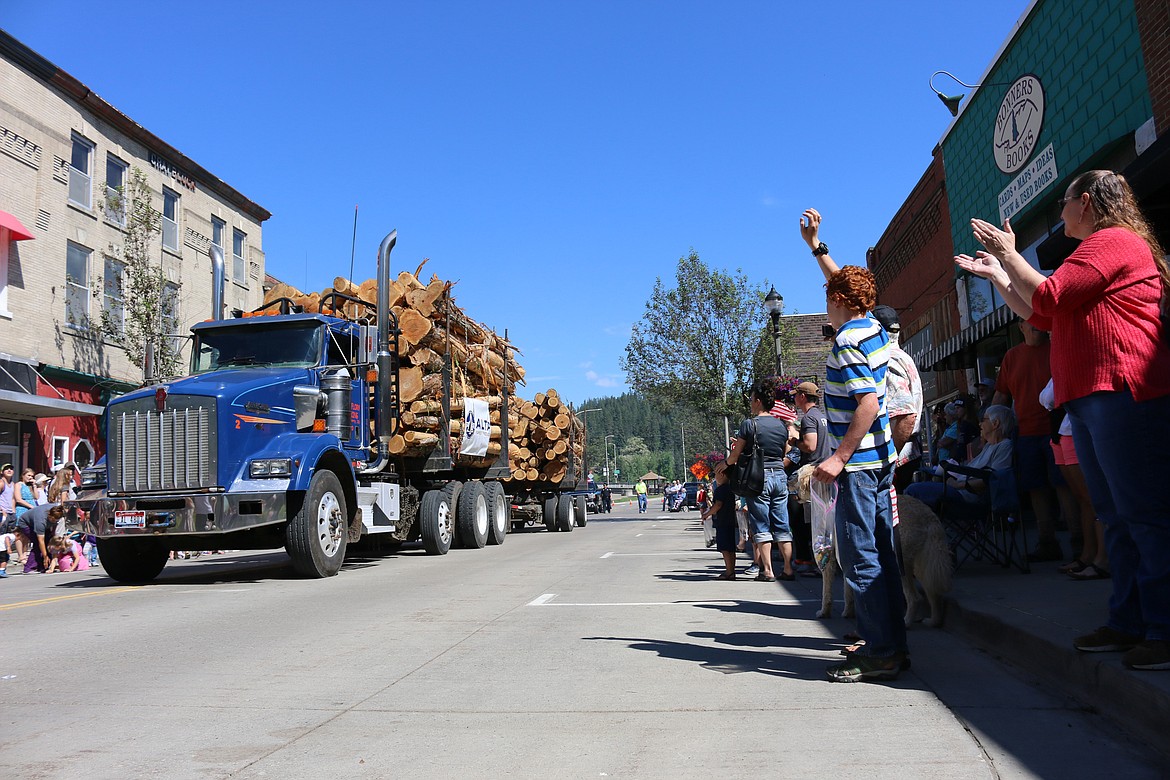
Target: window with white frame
{"type": "Point", "coordinates": [218, 228]}
{"type": "Point", "coordinates": [115, 191]}
{"type": "Point", "coordinates": [169, 310]}
{"type": "Point", "coordinates": [113, 301]}
{"type": "Point", "coordinates": [170, 220]}
{"type": "Point", "coordinates": [82, 454]}
{"type": "Point", "coordinates": [238, 239]}
{"type": "Point", "coordinates": [81, 173]}
{"type": "Point", "coordinates": [77, 286]}
{"type": "Point", "coordinates": [60, 451]}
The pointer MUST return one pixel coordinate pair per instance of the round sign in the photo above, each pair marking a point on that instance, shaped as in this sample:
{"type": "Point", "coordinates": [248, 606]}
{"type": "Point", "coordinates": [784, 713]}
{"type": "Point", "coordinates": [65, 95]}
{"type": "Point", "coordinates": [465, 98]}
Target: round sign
{"type": "Point", "coordinates": [1018, 123]}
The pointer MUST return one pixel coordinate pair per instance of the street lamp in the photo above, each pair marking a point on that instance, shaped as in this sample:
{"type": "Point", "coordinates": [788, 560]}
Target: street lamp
{"type": "Point", "coordinates": [608, 436]}
{"type": "Point", "coordinates": [774, 304]}
{"type": "Point", "coordinates": [582, 413]}
{"type": "Point", "coordinates": [616, 468]}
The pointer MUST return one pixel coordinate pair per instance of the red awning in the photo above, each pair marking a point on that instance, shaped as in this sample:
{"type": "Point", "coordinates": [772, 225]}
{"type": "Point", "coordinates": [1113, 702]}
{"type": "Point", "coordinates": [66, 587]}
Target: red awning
{"type": "Point", "coordinates": [17, 231]}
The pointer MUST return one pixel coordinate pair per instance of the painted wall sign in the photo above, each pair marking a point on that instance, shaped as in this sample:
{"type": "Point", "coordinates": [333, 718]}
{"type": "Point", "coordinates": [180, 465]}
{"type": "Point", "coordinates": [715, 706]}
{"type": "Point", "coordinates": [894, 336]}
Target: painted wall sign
{"type": "Point", "coordinates": [1018, 123]}
{"type": "Point", "coordinates": [1031, 182]}
{"type": "Point", "coordinates": [164, 167]}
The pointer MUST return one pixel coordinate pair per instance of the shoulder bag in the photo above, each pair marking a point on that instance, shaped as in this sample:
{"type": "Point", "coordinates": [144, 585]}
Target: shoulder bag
{"type": "Point", "coordinates": [746, 477]}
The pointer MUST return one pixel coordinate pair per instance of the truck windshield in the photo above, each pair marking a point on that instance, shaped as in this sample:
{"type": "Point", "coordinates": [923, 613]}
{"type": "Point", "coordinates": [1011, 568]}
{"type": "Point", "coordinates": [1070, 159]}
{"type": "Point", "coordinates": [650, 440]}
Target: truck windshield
{"type": "Point", "coordinates": [241, 346]}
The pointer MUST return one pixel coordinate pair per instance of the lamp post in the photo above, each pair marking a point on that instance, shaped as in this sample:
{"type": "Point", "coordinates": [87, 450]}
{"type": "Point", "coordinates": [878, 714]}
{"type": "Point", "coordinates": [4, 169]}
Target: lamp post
{"type": "Point", "coordinates": [582, 413]}
{"type": "Point", "coordinates": [605, 445]}
{"type": "Point", "coordinates": [615, 461]}
{"type": "Point", "coordinates": [774, 304]}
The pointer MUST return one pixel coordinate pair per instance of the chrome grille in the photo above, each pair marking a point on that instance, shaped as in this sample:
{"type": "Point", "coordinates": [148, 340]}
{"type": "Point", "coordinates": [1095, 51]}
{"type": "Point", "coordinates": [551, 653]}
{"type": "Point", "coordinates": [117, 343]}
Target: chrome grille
{"type": "Point", "coordinates": [169, 450]}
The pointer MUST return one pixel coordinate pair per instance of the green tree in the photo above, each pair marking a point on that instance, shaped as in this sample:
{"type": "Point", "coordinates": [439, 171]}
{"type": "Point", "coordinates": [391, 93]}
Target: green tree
{"type": "Point", "coordinates": [145, 313]}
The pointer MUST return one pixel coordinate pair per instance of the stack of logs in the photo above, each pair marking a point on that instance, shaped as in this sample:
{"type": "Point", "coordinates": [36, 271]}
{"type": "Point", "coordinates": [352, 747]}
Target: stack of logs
{"type": "Point", "coordinates": [542, 432]}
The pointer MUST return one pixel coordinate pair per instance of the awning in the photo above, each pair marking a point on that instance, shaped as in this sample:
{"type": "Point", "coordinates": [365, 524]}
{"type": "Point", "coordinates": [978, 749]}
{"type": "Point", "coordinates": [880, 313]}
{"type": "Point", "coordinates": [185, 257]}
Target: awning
{"type": "Point", "coordinates": [16, 231]}
{"type": "Point", "coordinates": [19, 404]}
{"type": "Point", "coordinates": [956, 352]}
{"type": "Point", "coordinates": [651, 475]}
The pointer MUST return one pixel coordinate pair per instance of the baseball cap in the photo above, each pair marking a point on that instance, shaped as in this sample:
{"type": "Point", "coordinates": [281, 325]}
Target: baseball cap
{"type": "Point", "coordinates": [5, 467]}
{"type": "Point", "coordinates": [887, 317]}
{"type": "Point", "coordinates": [988, 381]}
{"type": "Point", "coordinates": [39, 478]}
{"type": "Point", "coordinates": [808, 388]}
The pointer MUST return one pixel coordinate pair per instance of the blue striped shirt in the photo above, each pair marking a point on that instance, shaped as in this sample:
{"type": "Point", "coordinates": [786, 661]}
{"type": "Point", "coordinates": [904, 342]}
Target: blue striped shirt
{"type": "Point", "coordinates": [856, 366]}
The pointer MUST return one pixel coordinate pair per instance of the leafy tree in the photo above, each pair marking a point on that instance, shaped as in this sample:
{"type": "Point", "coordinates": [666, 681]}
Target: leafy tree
{"type": "Point", "coordinates": [146, 314]}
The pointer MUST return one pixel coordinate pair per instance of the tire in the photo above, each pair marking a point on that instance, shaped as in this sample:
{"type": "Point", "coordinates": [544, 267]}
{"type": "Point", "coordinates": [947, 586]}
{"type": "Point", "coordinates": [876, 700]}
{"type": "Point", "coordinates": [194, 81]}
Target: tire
{"type": "Point", "coordinates": [499, 512]}
{"type": "Point", "coordinates": [581, 513]}
{"type": "Point", "coordinates": [436, 522]}
{"type": "Point", "coordinates": [471, 519]}
{"type": "Point", "coordinates": [132, 560]}
{"type": "Point", "coordinates": [549, 513]}
{"type": "Point", "coordinates": [452, 490]}
{"type": "Point", "coordinates": [318, 534]}
{"type": "Point", "coordinates": [565, 513]}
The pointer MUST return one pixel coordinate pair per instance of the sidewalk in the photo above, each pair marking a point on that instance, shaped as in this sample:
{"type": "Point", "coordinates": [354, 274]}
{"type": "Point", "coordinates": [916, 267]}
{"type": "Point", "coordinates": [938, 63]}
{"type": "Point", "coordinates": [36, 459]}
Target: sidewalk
{"type": "Point", "coordinates": [1030, 620]}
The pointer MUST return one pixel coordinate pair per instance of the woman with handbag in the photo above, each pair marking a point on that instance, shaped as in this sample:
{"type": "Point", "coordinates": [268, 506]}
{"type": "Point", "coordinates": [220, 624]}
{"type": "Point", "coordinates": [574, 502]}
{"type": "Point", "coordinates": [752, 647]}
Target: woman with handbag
{"type": "Point", "coordinates": [765, 438]}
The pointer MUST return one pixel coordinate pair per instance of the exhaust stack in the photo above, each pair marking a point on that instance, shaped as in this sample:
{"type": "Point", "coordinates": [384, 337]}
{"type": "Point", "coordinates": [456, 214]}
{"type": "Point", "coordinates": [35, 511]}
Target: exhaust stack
{"type": "Point", "coordinates": [217, 279]}
{"type": "Point", "coordinates": [384, 358]}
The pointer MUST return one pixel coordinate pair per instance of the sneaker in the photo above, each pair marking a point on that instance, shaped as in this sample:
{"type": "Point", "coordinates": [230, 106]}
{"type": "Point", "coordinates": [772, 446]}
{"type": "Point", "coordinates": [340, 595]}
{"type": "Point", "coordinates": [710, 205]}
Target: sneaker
{"type": "Point", "coordinates": [865, 667]}
{"type": "Point", "coordinates": [3, 573]}
{"type": "Point", "coordinates": [1150, 655]}
{"type": "Point", "coordinates": [1106, 640]}
{"type": "Point", "coordinates": [752, 570]}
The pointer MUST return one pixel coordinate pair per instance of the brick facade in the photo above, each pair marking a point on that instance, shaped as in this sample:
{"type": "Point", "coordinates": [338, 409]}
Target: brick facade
{"type": "Point", "coordinates": [1153, 19]}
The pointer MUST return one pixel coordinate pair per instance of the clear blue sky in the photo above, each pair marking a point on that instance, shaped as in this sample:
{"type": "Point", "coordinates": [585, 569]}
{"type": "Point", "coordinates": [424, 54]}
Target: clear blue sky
{"type": "Point", "coordinates": [553, 157]}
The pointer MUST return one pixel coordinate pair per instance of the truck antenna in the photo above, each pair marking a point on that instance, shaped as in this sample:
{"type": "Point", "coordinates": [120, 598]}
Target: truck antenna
{"type": "Point", "coordinates": [353, 243]}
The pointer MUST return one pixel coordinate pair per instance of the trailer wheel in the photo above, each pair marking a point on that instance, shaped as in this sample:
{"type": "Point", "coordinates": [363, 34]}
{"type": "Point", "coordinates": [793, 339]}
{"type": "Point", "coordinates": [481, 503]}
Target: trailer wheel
{"type": "Point", "coordinates": [549, 513]}
{"type": "Point", "coordinates": [317, 535]}
{"type": "Point", "coordinates": [580, 514]}
{"type": "Point", "coordinates": [498, 514]}
{"type": "Point", "coordinates": [471, 519]}
{"type": "Point", "coordinates": [436, 522]}
{"type": "Point", "coordinates": [452, 490]}
{"type": "Point", "coordinates": [132, 560]}
{"type": "Point", "coordinates": [564, 513]}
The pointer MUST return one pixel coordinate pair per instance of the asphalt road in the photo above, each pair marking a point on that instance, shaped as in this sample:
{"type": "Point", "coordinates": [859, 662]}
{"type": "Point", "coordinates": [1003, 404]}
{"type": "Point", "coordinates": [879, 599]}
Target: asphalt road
{"type": "Point", "coordinates": [606, 652]}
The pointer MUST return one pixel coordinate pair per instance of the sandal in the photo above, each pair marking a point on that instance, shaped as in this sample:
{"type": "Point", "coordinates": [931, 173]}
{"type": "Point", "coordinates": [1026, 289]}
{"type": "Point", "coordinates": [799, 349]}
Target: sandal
{"type": "Point", "coordinates": [761, 577]}
{"type": "Point", "coordinates": [1073, 567]}
{"type": "Point", "coordinates": [726, 576]}
{"type": "Point", "coordinates": [1090, 572]}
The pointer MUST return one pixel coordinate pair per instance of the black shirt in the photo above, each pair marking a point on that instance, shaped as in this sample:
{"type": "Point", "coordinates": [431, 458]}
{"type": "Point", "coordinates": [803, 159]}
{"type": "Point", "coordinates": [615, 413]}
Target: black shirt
{"type": "Point", "coordinates": [773, 439]}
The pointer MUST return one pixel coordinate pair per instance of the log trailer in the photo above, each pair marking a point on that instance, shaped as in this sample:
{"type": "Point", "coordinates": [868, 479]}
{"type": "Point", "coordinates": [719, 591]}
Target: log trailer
{"type": "Point", "coordinates": [280, 437]}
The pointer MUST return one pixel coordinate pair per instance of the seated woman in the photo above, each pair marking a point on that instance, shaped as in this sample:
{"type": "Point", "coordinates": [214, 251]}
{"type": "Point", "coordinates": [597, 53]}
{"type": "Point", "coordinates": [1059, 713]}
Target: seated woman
{"type": "Point", "coordinates": [960, 431]}
{"type": "Point", "coordinates": [996, 429]}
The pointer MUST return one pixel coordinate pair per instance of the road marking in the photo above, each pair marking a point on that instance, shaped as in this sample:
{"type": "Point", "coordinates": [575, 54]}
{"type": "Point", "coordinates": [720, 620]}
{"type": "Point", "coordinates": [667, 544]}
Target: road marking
{"type": "Point", "coordinates": [680, 553]}
{"type": "Point", "coordinates": [542, 600]}
{"type": "Point", "coordinates": [637, 535]}
{"type": "Point", "coordinates": [37, 602]}
{"type": "Point", "coordinates": [607, 555]}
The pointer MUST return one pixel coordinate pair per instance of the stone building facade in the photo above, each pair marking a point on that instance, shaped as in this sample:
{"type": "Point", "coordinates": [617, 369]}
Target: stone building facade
{"type": "Point", "coordinates": [63, 153]}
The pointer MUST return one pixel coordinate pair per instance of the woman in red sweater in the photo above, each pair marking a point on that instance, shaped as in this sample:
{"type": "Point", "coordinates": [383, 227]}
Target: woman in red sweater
{"type": "Point", "coordinates": [1111, 372]}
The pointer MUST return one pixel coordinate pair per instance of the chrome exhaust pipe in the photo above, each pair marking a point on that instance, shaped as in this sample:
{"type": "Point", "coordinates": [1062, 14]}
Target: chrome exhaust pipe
{"type": "Point", "coordinates": [384, 358]}
{"type": "Point", "coordinates": [217, 279]}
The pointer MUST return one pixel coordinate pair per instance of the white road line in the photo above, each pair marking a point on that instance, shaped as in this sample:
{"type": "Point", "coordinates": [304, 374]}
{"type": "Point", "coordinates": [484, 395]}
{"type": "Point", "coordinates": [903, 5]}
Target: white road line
{"type": "Point", "coordinates": [542, 600]}
{"type": "Point", "coordinates": [607, 555]}
{"type": "Point", "coordinates": [697, 554]}
{"type": "Point", "coordinates": [786, 602]}
{"type": "Point", "coordinates": [637, 535]}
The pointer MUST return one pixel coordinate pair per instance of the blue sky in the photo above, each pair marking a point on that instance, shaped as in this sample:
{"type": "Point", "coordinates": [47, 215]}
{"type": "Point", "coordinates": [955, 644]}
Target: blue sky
{"type": "Point", "coordinates": [553, 157]}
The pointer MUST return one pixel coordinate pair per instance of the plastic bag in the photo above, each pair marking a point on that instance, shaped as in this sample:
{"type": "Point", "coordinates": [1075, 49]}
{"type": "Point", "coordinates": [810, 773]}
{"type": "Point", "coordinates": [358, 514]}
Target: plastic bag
{"type": "Point", "coordinates": [709, 531]}
{"type": "Point", "coordinates": [823, 496]}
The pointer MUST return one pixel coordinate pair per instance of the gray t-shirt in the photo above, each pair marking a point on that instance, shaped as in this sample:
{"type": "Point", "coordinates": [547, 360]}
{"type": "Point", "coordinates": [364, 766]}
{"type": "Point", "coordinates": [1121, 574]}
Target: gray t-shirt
{"type": "Point", "coordinates": [773, 439]}
{"type": "Point", "coordinates": [814, 422]}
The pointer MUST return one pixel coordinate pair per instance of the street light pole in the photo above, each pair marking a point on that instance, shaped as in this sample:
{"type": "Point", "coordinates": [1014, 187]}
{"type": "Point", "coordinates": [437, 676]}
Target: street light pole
{"type": "Point", "coordinates": [585, 463]}
{"type": "Point", "coordinates": [682, 429]}
{"type": "Point", "coordinates": [605, 445]}
{"type": "Point", "coordinates": [774, 304]}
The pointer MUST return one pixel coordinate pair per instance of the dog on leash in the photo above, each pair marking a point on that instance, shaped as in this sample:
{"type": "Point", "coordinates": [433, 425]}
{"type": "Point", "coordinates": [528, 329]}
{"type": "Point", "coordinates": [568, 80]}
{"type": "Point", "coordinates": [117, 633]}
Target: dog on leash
{"type": "Point", "coordinates": [926, 558]}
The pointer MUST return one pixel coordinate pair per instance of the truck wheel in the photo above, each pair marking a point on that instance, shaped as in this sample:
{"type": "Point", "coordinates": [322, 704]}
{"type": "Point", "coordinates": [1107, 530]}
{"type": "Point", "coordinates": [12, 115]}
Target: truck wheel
{"type": "Point", "coordinates": [452, 490]}
{"type": "Point", "coordinates": [549, 513]}
{"type": "Point", "coordinates": [132, 560]}
{"type": "Point", "coordinates": [498, 512]}
{"type": "Point", "coordinates": [580, 515]}
{"type": "Point", "coordinates": [564, 513]}
{"type": "Point", "coordinates": [436, 522]}
{"type": "Point", "coordinates": [317, 535]}
{"type": "Point", "coordinates": [472, 517]}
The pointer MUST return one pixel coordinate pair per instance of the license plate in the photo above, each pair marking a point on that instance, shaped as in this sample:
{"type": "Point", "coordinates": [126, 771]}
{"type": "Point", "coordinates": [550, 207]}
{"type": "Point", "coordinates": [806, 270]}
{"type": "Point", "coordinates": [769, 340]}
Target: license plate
{"type": "Point", "coordinates": [129, 519]}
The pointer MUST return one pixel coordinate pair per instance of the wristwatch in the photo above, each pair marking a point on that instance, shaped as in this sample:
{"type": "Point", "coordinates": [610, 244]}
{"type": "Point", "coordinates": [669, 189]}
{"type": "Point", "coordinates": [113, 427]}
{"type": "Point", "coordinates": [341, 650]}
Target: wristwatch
{"type": "Point", "coordinates": [822, 249]}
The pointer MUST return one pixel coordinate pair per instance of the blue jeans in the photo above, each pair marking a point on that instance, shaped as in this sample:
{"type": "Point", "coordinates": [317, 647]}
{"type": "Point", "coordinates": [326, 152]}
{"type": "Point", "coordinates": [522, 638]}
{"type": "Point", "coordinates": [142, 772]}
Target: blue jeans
{"type": "Point", "coordinates": [936, 494]}
{"type": "Point", "coordinates": [1121, 445]}
{"type": "Point", "coordinates": [641, 502]}
{"type": "Point", "coordinates": [769, 512]}
{"type": "Point", "coordinates": [865, 536]}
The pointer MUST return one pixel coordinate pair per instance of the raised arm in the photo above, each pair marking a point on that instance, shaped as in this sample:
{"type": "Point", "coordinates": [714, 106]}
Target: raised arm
{"type": "Point", "coordinates": [810, 226]}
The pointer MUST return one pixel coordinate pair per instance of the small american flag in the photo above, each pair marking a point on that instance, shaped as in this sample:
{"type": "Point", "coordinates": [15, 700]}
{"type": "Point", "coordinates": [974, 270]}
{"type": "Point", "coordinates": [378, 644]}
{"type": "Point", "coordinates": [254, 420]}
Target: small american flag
{"type": "Point", "coordinates": [783, 411]}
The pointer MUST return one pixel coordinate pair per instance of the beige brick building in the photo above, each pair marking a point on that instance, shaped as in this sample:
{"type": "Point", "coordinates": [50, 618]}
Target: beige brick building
{"type": "Point", "coordinates": [63, 150]}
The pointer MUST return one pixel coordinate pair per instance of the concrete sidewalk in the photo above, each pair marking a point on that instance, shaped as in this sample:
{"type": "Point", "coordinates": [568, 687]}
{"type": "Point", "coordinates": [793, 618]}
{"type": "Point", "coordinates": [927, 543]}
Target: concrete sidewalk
{"type": "Point", "coordinates": [1030, 620]}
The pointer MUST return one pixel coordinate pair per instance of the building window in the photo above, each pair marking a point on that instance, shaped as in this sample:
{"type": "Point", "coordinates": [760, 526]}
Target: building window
{"type": "Point", "coordinates": [218, 226]}
{"type": "Point", "coordinates": [82, 455]}
{"type": "Point", "coordinates": [169, 310]}
{"type": "Point", "coordinates": [115, 191]}
{"type": "Point", "coordinates": [238, 238]}
{"type": "Point", "coordinates": [170, 220]}
{"type": "Point", "coordinates": [60, 452]}
{"type": "Point", "coordinates": [113, 304]}
{"type": "Point", "coordinates": [77, 286]}
{"type": "Point", "coordinates": [80, 173]}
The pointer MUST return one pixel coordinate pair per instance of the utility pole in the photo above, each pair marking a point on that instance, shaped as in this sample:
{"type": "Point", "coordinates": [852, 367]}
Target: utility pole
{"type": "Point", "coordinates": [682, 429]}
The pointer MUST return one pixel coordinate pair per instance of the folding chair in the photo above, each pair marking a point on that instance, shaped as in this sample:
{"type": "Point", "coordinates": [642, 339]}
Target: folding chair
{"type": "Point", "coordinates": [991, 531]}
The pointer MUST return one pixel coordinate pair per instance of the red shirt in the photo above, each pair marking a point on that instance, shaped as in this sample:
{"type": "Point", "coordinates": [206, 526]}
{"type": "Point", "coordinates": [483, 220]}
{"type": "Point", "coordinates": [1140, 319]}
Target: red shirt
{"type": "Point", "coordinates": [1022, 375]}
{"type": "Point", "coordinates": [1103, 308]}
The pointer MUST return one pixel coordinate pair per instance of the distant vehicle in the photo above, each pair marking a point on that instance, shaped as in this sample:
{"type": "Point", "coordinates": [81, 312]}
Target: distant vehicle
{"type": "Point", "coordinates": [692, 488]}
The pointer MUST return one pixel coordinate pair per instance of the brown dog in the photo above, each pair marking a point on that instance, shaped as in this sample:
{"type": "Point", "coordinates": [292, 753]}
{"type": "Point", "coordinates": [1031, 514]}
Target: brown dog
{"type": "Point", "coordinates": [925, 558]}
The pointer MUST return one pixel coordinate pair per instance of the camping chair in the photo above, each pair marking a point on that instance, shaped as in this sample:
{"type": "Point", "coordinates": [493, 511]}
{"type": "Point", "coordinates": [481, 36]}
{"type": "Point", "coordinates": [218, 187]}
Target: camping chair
{"type": "Point", "coordinates": [990, 531]}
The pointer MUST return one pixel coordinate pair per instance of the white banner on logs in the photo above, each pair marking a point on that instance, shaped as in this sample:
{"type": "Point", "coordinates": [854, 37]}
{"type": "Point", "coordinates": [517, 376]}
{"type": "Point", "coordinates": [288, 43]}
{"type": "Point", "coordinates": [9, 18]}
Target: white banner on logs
{"type": "Point", "coordinates": [477, 427]}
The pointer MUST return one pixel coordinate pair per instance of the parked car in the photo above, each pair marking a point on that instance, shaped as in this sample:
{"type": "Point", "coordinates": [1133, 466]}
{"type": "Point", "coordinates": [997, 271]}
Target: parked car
{"type": "Point", "coordinates": [692, 489]}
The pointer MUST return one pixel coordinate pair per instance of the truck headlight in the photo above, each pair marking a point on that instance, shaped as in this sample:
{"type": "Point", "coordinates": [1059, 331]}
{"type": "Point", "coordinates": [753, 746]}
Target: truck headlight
{"type": "Point", "coordinates": [270, 468]}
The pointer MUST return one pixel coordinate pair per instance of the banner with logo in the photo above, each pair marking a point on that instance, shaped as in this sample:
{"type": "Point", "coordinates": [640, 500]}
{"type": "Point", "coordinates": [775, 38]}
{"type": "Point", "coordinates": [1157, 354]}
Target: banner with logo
{"type": "Point", "coordinates": [477, 427]}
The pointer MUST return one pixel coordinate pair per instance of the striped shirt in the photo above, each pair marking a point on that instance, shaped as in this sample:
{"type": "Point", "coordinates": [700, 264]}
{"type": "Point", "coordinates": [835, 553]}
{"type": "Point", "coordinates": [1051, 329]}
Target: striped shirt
{"type": "Point", "coordinates": [856, 366]}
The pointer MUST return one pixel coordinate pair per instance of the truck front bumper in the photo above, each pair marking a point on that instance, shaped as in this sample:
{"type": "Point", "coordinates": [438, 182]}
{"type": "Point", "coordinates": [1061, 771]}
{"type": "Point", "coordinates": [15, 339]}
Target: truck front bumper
{"type": "Point", "coordinates": [185, 514]}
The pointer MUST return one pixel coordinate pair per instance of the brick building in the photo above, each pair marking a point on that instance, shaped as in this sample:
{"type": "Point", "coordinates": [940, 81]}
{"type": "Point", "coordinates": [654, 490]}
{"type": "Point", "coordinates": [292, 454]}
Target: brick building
{"type": "Point", "coordinates": [63, 150]}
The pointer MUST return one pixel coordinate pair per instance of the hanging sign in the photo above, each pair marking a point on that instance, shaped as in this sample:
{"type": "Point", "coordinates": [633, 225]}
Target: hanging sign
{"type": "Point", "coordinates": [1018, 123]}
